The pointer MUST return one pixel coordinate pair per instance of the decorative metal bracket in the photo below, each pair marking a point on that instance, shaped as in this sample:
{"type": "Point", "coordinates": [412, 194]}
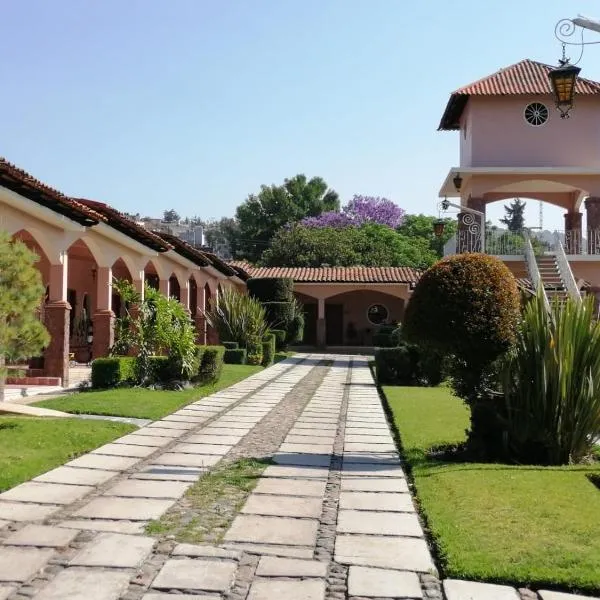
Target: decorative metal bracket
{"type": "Point", "coordinates": [565, 29]}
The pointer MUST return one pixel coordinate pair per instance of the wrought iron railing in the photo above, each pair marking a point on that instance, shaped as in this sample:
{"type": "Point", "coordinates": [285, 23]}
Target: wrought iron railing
{"type": "Point", "coordinates": [577, 242]}
{"type": "Point", "coordinates": [565, 270]}
{"type": "Point", "coordinates": [533, 269]}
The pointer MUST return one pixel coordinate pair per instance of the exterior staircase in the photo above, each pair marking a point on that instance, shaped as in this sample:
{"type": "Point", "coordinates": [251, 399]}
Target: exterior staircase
{"type": "Point", "coordinates": [551, 278]}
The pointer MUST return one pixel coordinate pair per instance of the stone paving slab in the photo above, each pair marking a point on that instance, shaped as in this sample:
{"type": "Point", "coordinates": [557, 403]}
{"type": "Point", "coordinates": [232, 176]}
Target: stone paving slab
{"type": "Point", "coordinates": [215, 449]}
{"type": "Point", "coordinates": [222, 431]}
{"type": "Point", "coordinates": [114, 550]}
{"type": "Point", "coordinates": [395, 502]}
{"type": "Point", "coordinates": [283, 506]}
{"type": "Point", "coordinates": [201, 550]}
{"type": "Point", "coordinates": [180, 426]}
{"type": "Point", "coordinates": [131, 450]}
{"type": "Point", "coordinates": [298, 438]}
{"type": "Point", "coordinates": [369, 439]}
{"type": "Point", "coordinates": [85, 584]}
{"type": "Point", "coordinates": [129, 509]}
{"type": "Point", "coordinates": [6, 591]}
{"type": "Point", "coordinates": [469, 590]}
{"type": "Point", "coordinates": [290, 590]}
{"type": "Point", "coordinates": [302, 460]}
{"type": "Point", "coordinates": [291, 487]}
{"type": "Point", "coordinates": [371, 460]}
{"type": "Point", "coordinates": [547, 595]}
{"type": "Point", "coordinates": [364, 470]}
{"type": "Point", "coordinates": [402, 553]}
{"type": "Point", "coordinates": [373, 484]}
{"type": "Point", "coordinates": [189, 420]}
{"type": "Point", "coordinates": [270, 566]}
{"type": "Point", "coordinates": [383, 583]}
{"type": "Point", "coordinates": [153, 431]}
{"type": "Point", "coordinates": [204, 438]}
{"type": "Point", "coordinates": [139, 488]}
{"type": "Point", "coordinates": [144, 440]}
{"type": "Point", "coordinates": [169, 473]}
{"type": "Point", "coordinates": [229, 425]}
{"type": "Point", "coordinates": [103, 462]}
{"type": "Point", "coordinates": [306, 448]}
{"type": "Point", "coordinates": [179, 459]}
{"type": "Point", "coordinates": [20, 564]}
{"type": "Point", "coordinates": [356, 432]}
{"type": "Point", "coordinates": [379, 523]}
{"type": "Point", "coordinates": [46, 493]}
{"type": "Point", "coordinates": [154, 596]}
{"type": "Point", "coordinates": [273, 530]}
{"type": "Point", "coordinates": [3, 524]}
{"type": "Point", "coordinates": [74, 476]}
{"type": "Point", "coordinates": [129, 527]}
{"type": "Point", "coordinates": [42, 536]}
{"type": "Point", "coordinates": [303, 552]}
{"type": "Point", "coordinates": [195, 574]}
{"type": "Point", "coordinates": [19, 511]}
{"type": "Point", "coordinates": [350, 447]}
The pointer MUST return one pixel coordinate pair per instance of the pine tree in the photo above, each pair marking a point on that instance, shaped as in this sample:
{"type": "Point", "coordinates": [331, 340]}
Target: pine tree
{"type": "Point", "coordinates": [515, 215]}
{"type": "Point", "coordinates": [21, 333]}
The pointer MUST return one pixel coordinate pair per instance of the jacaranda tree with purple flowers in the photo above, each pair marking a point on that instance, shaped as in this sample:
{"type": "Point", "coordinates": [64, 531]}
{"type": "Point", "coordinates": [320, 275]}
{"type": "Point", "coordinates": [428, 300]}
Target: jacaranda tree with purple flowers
{"type": "Point", "coordinates": [359, 211]}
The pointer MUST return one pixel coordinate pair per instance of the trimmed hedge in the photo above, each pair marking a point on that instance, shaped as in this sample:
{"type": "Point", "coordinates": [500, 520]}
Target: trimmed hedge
{"type": "Point", "coordinates": [230, 345]}
{"type": "Point", "coordinates": [408, 364]}
{"type": "Point", "coordinates": [109, 372]}
{"type": "Point", "coordinates": [161, 369]}
{"type": "Point", "coordinates": [279, 314]}
{"type": "Point", "coordinates": [212, 364]}
{"type": "Point", "coordinates": [280, 336]}
{"type": "Point", "coordinates": [271, 289]}
{"type": "Point", "coordinates": [234, 356]}
{"type": "Point", "coordinates": [296, 330]}
{"type": "Point", "coordinates": [268, 349]}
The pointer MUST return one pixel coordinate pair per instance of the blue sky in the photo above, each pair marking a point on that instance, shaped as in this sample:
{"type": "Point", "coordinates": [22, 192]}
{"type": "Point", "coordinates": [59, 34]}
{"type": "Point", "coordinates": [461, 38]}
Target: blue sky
{"type": "Point", "coordinates": [193, 104]}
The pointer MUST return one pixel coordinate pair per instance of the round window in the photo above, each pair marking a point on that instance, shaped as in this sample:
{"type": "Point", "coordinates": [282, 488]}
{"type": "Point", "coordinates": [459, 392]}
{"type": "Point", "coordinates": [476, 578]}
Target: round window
{"type": "Point", "coordinates": [377, 314]}
{"type": "Point", "coordinates": [536, 114]}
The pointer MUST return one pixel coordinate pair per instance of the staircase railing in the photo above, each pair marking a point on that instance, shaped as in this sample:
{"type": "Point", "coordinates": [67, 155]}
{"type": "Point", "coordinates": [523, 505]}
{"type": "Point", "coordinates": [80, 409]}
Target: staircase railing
{"type": "Point", "coordinates": [533, 269]}
{"type": "Point", "coordinates": [565, 270]}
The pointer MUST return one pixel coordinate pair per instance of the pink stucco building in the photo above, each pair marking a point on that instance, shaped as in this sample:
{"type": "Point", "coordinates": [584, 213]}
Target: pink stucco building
{"type": "Point", "coordinates": [83, 245]}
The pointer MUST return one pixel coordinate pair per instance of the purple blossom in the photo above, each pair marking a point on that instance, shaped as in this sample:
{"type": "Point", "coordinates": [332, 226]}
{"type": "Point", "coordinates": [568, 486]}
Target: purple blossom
{"type": "Point", "coordinates": [360, 210]}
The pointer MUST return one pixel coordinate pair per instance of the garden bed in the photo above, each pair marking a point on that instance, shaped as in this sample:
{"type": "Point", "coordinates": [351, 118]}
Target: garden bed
{"type": "Point", "coordinates": [31, 446]}
{"type": "Point", "coordinates": [523, 525]}
{"type": "Point", "coordinates": [142, 403]}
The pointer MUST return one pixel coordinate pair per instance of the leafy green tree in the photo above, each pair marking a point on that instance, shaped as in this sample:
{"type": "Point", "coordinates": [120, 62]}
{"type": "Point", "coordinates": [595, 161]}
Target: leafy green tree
{"type": "Point", "coordinates": [515, 215]}
{"type": "Point", "coordinates": [21, 333]}
{"type": "Point", "coordinates": [263, 214]}
{"type": "Point", "coordinates": [369, 245]}
{"type": "Point", "coordinates": [421, 227]}
{"type": "Point", "coordinates": [171, 216]}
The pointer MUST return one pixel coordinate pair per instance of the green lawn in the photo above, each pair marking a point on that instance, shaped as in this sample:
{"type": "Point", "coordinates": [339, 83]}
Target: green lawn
{"type": "Point", "coordinates": [30, 446]}
{"type": "Point", "coordinates": [494, 522]}
{"type": "Point", "coordinates": [143, 403]}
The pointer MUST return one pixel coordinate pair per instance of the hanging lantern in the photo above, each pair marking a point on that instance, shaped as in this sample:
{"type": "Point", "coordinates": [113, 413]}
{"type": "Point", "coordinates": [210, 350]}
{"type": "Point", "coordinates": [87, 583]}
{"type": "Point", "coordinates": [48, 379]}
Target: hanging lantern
{"type": "Point", "coordinates": [563, 80]}
{"type": "Point", "coordinates": [457, 182]}
{"type": "Point", "coordinates": [438, 228]}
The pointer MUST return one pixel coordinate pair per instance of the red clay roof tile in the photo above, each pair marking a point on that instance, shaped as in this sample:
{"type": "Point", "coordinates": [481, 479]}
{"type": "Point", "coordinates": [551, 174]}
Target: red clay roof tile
{"type": "Point", "coordinates": [527, 77]}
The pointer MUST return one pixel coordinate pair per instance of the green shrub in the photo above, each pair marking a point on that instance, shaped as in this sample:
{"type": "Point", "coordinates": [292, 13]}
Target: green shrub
{"type": "Point", "coordinates": [109, 372]}
{"type": "Point", "coordinates": [237, 317]}
{"type": "Point", "coordinates": [279, 315]}
{"type": "Point", "coordinates": [234, 356]}
{"type": "Point", "coordinates": [551, 384]}
{"type": "Point", "coordinates": [397, 366]}
{"type": "Point", "coordinates": [212, 364]}
{"type": "Point", "coordinates": [230, 345]}
{"type": "Point", "coordinates": [271, 289]}
{"type": "Point", "coordinates": [280, 337]}
{"type": "Point", "coordinates": [268, 350]}
{"type": "Point", "coordinates": [296, 328]}
{"type": "Point", "coordinates": [467, 306]}
{"type": "Point", "coordinates": [160, 369]}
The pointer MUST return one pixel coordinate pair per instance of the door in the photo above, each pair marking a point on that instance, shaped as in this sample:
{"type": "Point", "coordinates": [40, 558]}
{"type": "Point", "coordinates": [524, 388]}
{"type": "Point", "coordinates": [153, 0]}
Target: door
{"type": "Point", "coordinates": [310, 325]}
{"type": "Point", "coordinates": [334, 324]}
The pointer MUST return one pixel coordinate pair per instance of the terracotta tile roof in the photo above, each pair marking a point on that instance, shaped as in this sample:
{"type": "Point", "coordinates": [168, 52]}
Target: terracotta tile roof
{"type": "Point", "coordinates": [527, 77]}
{"type": "Point", "coordinates": [22, 183]}
{"type": "Point", "coordinates": [221, 265]}
{"type": "Point", "coordinates": [182, 247]}
{"type": "Point", "coordinates": [126, 225]}
{"type": "Point", "coordinates": [336, 274]}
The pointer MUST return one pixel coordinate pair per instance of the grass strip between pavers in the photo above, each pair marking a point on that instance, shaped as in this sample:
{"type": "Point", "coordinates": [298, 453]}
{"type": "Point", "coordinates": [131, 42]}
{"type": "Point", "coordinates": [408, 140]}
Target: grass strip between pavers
{"type": "Point", "coordinates": [143, 403]}
{"type": "Point", "coordinates": [521, 525]}
{"type": "Point", "coordinates": [31, 446]}
{"type": "Point", "coordinates": [211, 504]}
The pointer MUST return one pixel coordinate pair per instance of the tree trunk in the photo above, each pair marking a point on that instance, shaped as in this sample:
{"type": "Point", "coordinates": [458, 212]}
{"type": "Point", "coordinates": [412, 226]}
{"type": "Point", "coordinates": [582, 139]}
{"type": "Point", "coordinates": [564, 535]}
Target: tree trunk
{"type": "Point", "coordinates": [2, 377]}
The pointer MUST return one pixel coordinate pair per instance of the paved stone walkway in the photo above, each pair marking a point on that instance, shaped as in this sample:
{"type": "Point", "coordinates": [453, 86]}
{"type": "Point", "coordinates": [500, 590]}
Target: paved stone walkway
{"type": "Point", "coordinates": [331, 519]}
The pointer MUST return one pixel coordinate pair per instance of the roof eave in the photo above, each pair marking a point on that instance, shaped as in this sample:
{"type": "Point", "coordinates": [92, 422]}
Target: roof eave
{"type": "Point", "coordinates": [450, 120]}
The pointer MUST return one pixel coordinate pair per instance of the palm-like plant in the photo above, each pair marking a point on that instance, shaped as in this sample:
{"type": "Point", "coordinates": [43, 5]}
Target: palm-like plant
{"type": "Point", "coordinates": [551, 383]}
{"type": "Point", "coordinates": [237, 318]}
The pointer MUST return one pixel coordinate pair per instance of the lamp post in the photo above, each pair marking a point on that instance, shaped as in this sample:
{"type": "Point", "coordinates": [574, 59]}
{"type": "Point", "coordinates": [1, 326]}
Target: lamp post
{"type": "Point", "coordinates": [474, 230]}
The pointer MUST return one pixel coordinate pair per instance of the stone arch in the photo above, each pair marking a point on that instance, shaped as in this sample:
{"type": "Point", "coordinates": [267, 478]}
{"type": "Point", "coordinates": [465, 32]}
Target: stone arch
{"type": "Point", "coordinates": [152, 275]}
{"type": "Point", "coordinates": [28, 237]}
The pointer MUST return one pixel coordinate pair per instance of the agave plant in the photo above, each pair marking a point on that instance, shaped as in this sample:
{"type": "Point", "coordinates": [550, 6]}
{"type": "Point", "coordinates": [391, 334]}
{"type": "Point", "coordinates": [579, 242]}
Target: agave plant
{"type": "Point", "coordinates": [237, 318]}
{"type": "Point", "coordinates": [551, 383]}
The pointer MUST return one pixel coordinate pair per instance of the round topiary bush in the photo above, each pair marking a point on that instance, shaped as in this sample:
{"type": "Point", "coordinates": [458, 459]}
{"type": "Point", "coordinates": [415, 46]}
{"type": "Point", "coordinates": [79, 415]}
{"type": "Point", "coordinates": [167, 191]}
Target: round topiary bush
{"type": "Point", "coordinates": [271, 289]}
{"type": "Point", "coordinates": [466, 305]}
